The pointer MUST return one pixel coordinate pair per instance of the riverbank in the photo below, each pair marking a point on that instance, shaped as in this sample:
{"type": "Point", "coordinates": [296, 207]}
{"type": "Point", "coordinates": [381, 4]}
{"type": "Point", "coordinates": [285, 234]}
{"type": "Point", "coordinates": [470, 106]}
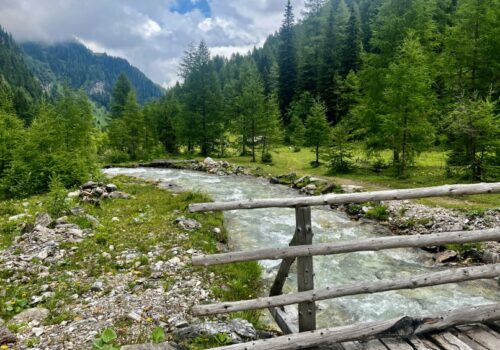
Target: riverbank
{"type": "Point", "coordinates": [402, 217]}
{"type": "Point", "coordinates": [116, 258]}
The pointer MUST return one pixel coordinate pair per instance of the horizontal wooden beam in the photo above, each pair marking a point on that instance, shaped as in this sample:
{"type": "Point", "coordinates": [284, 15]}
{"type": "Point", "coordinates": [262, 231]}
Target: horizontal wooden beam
{"type": "Point", "coordinates": [437, 191]}
{"type": "Point", "coordinates": [338, 247]}
{"type": "Point", "coordinates": [424, 280]}
{"type": "Point", "coordinates": [398, 327]}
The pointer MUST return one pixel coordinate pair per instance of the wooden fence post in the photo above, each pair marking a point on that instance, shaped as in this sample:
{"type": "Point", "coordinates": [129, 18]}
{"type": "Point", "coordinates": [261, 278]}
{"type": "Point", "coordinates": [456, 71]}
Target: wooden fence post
{"type": "Point", "coordinates": [305, 272]}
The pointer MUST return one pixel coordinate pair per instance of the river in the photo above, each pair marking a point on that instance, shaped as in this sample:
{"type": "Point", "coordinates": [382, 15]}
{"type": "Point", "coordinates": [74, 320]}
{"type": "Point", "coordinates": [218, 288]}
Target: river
{"type": "Point", "coordinates": [263, 228]}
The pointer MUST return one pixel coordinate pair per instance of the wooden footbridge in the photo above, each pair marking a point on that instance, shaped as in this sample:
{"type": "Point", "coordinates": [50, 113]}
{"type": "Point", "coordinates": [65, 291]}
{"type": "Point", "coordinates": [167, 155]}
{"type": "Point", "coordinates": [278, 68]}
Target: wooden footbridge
{"type": "Point", "coordinates": [474, 328]}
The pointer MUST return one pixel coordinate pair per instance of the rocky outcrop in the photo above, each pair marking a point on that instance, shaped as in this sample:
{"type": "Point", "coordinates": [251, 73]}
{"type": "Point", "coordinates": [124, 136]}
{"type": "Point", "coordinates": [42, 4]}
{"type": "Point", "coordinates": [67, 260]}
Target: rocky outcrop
{"type": "Point", "coordinates": [235, 331]}
{"type": "Point", "coordinates": [208, 165]}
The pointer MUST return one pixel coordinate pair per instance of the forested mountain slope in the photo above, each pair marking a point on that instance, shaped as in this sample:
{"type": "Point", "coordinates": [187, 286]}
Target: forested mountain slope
{"type": "Point", "coordinates": [73, 64]}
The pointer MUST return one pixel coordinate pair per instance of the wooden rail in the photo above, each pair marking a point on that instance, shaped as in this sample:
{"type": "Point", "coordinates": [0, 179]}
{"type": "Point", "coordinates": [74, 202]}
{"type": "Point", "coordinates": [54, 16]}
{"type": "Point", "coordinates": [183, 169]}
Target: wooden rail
{"type": "Point", "coordinates": [301, 248]}
{"type": "Point", "coordinates": [398, 327]}
{"type": "Point", "coordinates": [424, 192]}
{"type": "Point", "coordinates": [370, 244]}
{"type": "Point", "coordinates": [419, 281]}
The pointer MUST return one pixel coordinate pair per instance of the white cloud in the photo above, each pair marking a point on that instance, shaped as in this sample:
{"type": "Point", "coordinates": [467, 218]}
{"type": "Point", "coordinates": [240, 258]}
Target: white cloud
{"type": "Point", "coordinates": [147, 33]}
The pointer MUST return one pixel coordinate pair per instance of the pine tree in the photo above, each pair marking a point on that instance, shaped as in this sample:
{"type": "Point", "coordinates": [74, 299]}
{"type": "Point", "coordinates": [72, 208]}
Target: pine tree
{"type": "Point", "coordinates": [11, 132]}
{"type": "Point", "coordinates": [287, 62]}
{"type": "Point", "coordinates": [351, 56]}
{"type": "Point", "coordinates": [408, 100]}
{"type": "Point", "coordinates": [317, 132]}
{"type": "Point", "coordinates": [119, 96]}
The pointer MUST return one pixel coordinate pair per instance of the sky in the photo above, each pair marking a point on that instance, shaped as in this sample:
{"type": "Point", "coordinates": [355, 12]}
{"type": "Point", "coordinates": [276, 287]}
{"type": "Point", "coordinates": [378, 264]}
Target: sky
{"type": "Point", "coordinates": [151, 34]}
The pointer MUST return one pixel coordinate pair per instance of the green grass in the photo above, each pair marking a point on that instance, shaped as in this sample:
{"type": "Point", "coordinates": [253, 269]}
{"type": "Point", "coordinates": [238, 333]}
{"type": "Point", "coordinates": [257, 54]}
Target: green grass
{"type": "Point", "coordinates": [144, 222]}
{"type": "Point", "coordinates": [428, 170]}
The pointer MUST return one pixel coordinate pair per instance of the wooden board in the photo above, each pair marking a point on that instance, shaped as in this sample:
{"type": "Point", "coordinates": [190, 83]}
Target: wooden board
{"type": "Point", "coordinates": [369, 345]}
{"type": "Point", "coordinates": [482, 335]}
{"type": "Point", "coordinates": [396, 344]}
{"type": "Point", "coordinates": [422, 344]}
{"type": "Point", "coordinates": [448, 341]}
{"type": "Point", "coordinates": [463, 337]}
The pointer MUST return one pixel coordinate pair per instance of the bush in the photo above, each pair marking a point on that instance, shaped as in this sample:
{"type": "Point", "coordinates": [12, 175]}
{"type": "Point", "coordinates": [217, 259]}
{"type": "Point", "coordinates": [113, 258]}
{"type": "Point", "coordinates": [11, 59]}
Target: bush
{"type": "Point", "coordinates": [58, 201]}
{"type": "Point", "coordinates": [378, 212]}
{"type": "Point", "coordinates": [267, 158]}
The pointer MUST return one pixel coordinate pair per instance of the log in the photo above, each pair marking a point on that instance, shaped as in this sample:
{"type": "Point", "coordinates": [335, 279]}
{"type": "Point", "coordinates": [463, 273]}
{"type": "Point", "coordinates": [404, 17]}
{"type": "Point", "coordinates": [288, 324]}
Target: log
{"type": "Point", "coordinates": [305, 271]}
{"type": "Point", "coordinates": [424, 280]}
{"type": "Point", "coordinates": [283, 271]}
{"type": "Point", "coordinates": [424, 192]}
{"type": "Point", "coordinates": [370, 244]}
{"type": "Point", "coordinates": [369, 330]}
{"type": "Point", "coordinates": [283, 320]}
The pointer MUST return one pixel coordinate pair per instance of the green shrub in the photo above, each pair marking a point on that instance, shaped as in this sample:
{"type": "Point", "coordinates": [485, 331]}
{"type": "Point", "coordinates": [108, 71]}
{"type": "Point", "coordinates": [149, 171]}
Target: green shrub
{"type": "Point", "coordinates": [378, 212]}
{"type": "Point", "coordinates": [267, 158]}
{"type": "Point", "coordinates": [106, 340]}
{"type": "Point", "coordinates": [58, 202]}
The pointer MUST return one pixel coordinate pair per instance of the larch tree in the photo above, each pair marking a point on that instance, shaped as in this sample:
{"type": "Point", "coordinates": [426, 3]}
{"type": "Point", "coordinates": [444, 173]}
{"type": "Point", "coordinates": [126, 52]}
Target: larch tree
{"type": "Point", "coordinates": [409, 101]}
{"type": "Point", "coordinates": [317, 133]}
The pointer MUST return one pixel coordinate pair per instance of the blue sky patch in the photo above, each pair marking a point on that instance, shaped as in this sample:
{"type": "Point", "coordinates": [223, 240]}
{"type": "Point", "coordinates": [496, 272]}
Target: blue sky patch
{"type": "Point", "coordinates": [186, 6]}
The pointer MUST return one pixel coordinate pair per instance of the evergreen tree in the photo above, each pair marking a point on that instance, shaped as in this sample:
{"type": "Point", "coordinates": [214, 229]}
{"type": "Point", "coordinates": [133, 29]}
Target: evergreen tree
{"type": "Point", "coordinates": [11, 132]}
{"type": "Point", "coordinates": [408, 100]}
{"type": "Point", "coordinates": [341, 151]}
{"type": "Point", "coordinates": [474, 131]}
{"type": "Point", "coordinates": [317, 132]}
{"type": "Point", "coordinates": [351, 56]}
{"type": "Point", "coordinates": [59, 143]}
{"type": "Point", "coordinates": [296, 133]}
{"type": "Point", "coordinates": [472, 48]}
{"type": "Point", "coordinates": [271, 127]}
{"type": "Point", "coordinates": [287, 62]}
{"type": "Point", "coordinates": [120, 94]}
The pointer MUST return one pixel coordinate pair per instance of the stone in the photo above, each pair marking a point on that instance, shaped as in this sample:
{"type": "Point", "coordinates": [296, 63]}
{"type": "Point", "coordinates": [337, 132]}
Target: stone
{"type": "Point", "coordinates": [119, 195]}
{"type": "Point", "coordinates": [29, 315]}
{"type": "Point", "coordinates": [76, 211]}
{"type": "Point", "coordinates": [209, 161]}
{"type": "Point", "coordinates": [93, 220]}
{"type": "Point", "coordinates": [97, 286]}
{"type": "Point", "coordinates": [174, 261]}
{"type": "Point", "coordinates": [115, 219]}
{"type": "Point", "coordinates": [97, 192]}
{"type": "Point", "coordinates": [238, 330]}
{"type": "Point", "coordinates": [134, 316]}
{"type": "Point", "coordinates": [89, 185]}
{"type": "Point", "coordinates": [74, 194]}
{"type": "Point", "coordinates": [187, 224]}
{"type": "Point", "coordinates": [37, 331]}
{"type": "Point", "coordinates": [491, 257]}
{"type": "Point", "coordinates": [17, 217]}
{"type": "Point", "coordinates": [111, 188]}
{"type": "Point", "coordinates": [43, 219]}
{"type": "Point", "coordinates": [446, 256]}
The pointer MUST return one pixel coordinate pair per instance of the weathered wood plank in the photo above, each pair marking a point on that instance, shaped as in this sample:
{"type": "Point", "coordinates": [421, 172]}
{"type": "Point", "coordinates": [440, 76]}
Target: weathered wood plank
{"type": "Point", "coordinates": [374, 344]}
{"type": "Point", "coordinates": [305, 270]}
{"type": "Point", "coordinates": [437, 191]}
{"type": "Point", "coordinates": [466, 339]}
{"type": "Point", "coordinates": [283, 320]}
{"type": "Point", "coordinates": [422, 344]}
{"type": "Point", "coordinates": [424, 280]}
{"type": "Point", "coordinates": [370, 244]}
{"type": "Point", "coordinates": [396, 344]}
{"type": "Point", "coordinates": [482, 335]}
{"type": "Point", "coordinates": [449, 342]}
{"type": "Point", "coordinates": [283, 272]}
{"type": "Point", "coordinates": [404, 327]}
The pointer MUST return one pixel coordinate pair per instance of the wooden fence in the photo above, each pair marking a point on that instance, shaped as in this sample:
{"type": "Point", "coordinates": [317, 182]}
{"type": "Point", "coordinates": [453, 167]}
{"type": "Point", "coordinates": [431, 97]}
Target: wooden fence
{"type": "Point", "coordinates": [302, 249]}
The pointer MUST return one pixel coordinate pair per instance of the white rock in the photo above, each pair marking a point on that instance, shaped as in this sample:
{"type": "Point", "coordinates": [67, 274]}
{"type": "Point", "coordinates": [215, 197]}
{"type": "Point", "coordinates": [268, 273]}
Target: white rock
{"type": "Point", "coordinates": [17, 217]}
{"type": "Point", "coordinates": [115, 219]}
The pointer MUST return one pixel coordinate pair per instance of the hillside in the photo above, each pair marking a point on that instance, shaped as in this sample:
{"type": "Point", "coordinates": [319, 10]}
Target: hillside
{"type": "Point", "coordinates": [16, 74]}
{"type": "Point", "coordinates": [72, 63]}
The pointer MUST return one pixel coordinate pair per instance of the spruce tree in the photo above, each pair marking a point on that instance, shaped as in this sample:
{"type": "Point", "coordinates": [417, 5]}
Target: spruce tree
{"type": "Point", "coordinates": [271, 127]}
{"type": "Point", "coordinates": [353, 48]}
{"type": "Point", "coordinates": [119, 95]}
{"type": "Point", "coordinates": [317, 132]}
{"type": "Point", "coordinates": [296, 133]}
{"type": "Point", "coordinates": [287, 62]}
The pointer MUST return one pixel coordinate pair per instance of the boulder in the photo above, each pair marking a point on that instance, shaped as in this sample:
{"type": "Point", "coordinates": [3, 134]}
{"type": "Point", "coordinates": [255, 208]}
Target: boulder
{"type": "Point", "coordinates": [238, 330]}
{"type": "Point", "coordinates": [90, 185]}
{"type": "Point", "coordinates": [187, 224]}
{"type": "Point", "coordinates": [446, 256]}
{"type": "Point", "coordinates": [43, 219]}
{"type": "Point", "coordinates": [37, 314]}
{"type": "Point", "coordinates": [111, 188]}
{"type": "Point", "coordinates": [119, 195]}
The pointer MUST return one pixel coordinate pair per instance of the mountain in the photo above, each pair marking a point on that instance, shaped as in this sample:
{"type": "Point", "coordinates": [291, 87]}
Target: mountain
{"type": "Point", "coordinates": [73, 64]}
{"type": "Point", "coordinates": [14, 71]}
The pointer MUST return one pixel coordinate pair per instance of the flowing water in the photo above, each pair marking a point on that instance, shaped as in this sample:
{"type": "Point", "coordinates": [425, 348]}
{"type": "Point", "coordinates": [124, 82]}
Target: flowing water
{"type": "Point", "coordinates": [264, 228]}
